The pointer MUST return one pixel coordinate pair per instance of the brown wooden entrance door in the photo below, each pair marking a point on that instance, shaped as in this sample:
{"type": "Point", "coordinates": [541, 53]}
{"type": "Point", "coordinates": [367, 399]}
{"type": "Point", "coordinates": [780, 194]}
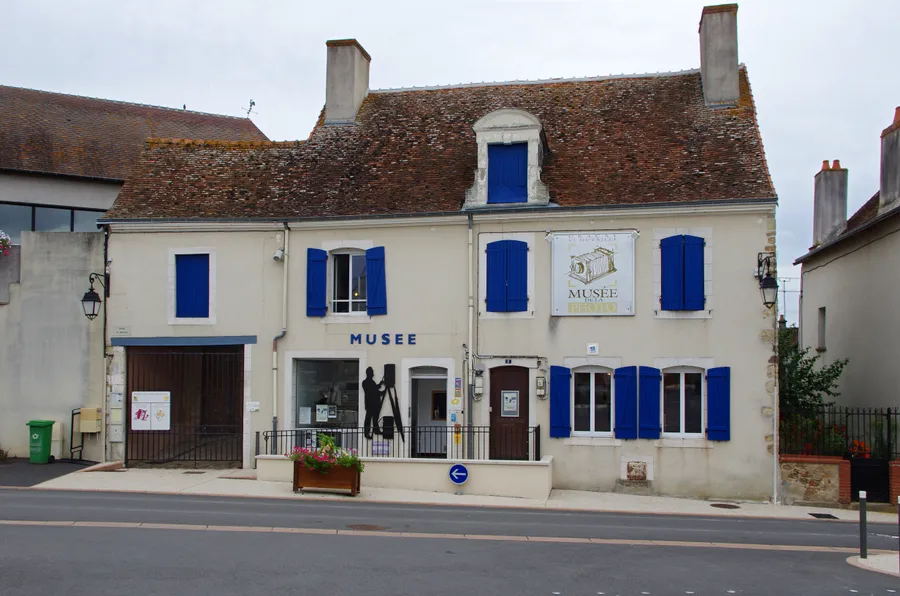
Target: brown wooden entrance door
{"type": "Point", "coordinates": [509, 413]}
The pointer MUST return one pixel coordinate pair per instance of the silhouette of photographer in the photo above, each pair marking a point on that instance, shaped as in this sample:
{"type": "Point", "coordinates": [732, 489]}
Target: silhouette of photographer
{"type": "Point", "coordinates": [372, 392]}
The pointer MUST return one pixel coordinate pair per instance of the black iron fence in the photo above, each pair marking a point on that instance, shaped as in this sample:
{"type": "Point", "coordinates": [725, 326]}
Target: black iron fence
{"type": "Point", "coordinates": [222, 443]}
{"type": "Point", "coordinates": [869, 433]}
{"type": "Point", "coordinates": [434, 442]}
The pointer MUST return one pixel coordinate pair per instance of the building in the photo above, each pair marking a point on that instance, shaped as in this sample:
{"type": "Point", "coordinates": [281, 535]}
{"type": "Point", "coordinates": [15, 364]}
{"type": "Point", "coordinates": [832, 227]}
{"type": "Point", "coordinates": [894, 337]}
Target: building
{"type": "Point", "coordinates": [555, 275]}
{"type": "Point", "coordinates": [63, 159]}
{"type": "Point", "coordinates": [846, 304]}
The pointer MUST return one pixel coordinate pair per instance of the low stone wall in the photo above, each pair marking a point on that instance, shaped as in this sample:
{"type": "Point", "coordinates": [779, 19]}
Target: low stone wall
{"type": "Point", "coordinates": [530, 480]}
{"type": "Point", "coordinates": [895, 482]}
{"type": "Point", "coordinates": [814, 479]}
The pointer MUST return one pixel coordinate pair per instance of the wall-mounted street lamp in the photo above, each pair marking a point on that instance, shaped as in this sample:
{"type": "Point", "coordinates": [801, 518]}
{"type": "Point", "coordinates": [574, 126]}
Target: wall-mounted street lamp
{"type": "Point", "coordinates": [768, 285]}
{"type": "Point", "coordinates": [91, 301]}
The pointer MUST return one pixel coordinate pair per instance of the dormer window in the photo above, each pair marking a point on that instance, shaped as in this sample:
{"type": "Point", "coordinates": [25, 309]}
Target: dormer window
{"type": "Point", "coordinates": [511, 149]}
{"type": "Point", "coordinates": [508, 173]}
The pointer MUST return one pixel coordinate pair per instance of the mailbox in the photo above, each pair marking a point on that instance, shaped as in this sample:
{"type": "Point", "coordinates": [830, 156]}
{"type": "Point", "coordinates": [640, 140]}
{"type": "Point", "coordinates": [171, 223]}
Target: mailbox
{"type": "Point", "coordinates": [90, 420]}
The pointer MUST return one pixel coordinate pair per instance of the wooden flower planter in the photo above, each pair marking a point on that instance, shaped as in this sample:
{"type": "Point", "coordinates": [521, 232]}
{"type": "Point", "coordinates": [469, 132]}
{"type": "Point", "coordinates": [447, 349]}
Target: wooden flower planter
{"type": "Point", "coordinates": [337, 477]}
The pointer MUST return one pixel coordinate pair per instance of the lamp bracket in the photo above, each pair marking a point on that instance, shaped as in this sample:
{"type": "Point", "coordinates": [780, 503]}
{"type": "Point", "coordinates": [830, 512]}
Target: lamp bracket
{"type": "Point", "coordinates": [764, 262]}
{"type": "Point", "coordinates": [102, 279]}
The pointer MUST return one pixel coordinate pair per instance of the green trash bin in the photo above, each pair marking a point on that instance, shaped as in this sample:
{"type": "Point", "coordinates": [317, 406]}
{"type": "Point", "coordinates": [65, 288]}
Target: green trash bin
{"type": "Point", "coordinates": [39, 432]}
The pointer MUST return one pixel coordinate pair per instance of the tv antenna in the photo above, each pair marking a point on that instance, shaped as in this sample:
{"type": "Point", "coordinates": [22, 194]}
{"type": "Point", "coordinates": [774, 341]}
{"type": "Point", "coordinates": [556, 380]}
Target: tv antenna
{"type": "Point", "coordinates": [250, 109]}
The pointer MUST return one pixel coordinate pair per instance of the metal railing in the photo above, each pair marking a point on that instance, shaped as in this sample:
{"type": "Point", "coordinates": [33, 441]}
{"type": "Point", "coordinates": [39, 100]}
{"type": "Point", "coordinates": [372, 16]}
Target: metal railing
{"type": "Point", "coordinates": [222, 443]}
{"type": "Point", "coordinates": [840, 431]}
{"type": "Point", "coordinates": [427, 442]}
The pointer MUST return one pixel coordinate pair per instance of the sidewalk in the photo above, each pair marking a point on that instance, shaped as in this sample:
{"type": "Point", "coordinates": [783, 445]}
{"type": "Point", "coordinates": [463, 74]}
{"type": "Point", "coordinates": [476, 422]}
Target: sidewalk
{"type": "Point", "coordinates": [242, 483]}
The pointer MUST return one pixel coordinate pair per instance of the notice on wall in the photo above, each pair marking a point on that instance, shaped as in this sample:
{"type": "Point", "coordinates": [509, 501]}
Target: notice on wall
{"type": "Point", "coordinates": [304, 415]}
{"type": "Point", "coordinates": [151, 410]}
{"type": "Point", "coordinates": [509, 404]}
{"type": "Point", "coordinates": [456, 403]}
{"type": "Point", "coordinates": [593, 273]}
{"type": "Point", "coordinates": [381, 448]}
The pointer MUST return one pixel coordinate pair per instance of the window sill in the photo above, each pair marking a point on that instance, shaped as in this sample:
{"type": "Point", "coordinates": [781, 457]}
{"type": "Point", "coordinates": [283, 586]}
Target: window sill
{"type": "Point", "coordinates": [593, 441]}
{"type": "Point", "coordinates": [347, 319]}
{"type": "Point", "coordinates": [820, 350]}
{"type": "Point", "coordinates": [683, 314]}
{"type": "Point", "coordinates": [522, 314]}
{"type": "Point", "coordinates": [685, 442]}
{"type": "Point", "coordinates": [190, 321]}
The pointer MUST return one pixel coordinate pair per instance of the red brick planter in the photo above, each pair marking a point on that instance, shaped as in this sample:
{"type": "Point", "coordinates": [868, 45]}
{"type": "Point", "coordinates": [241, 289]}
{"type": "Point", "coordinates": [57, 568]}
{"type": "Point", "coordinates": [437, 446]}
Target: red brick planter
{"type": "Point", "coordinates": [337, 477]}
{"type": "Point", "coordinates": [843, 471]}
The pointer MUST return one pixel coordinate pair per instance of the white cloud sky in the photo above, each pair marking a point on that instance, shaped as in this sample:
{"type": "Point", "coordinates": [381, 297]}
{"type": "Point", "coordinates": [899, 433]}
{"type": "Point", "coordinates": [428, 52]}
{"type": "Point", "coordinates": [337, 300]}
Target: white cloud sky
{"type": "Point", "coordinates": [823, 72]}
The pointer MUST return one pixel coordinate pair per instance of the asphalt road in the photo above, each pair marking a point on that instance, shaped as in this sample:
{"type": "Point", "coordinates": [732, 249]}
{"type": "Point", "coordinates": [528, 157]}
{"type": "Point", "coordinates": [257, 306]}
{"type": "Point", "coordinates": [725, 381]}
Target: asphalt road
{"type": "Point", "coordinates": [90, 560]}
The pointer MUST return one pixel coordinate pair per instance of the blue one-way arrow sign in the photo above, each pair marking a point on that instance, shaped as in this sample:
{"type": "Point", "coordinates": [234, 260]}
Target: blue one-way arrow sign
{"type": "Point", "coordinates": [458, 474]}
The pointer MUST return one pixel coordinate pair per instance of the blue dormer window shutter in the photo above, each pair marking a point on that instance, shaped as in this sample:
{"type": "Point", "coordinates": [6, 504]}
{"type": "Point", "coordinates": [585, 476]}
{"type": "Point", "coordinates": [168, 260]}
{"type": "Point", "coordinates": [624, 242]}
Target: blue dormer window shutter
{"type": "Point", "coordinates": [672, 262]}
{"type": "Point", "coordinates": [516, 276]}
{"type": "Point", "coordinates": [560, 402]}
{"type": "Point", "coordinates": [192, 286]}
{"type": "Point", "coordinates": [508, 173]}
{"type": "Point", "coordinates": [718, 403]}
{"type": "Point", "coordinates": [497, 257]}
{"type": "Point", "coordinates": [376, 286]}
{"type": "Point", "coordinates": [650, 383]}
{"type": "Point", "coordinates": [694, 292]}
{"type": "Point", "coordinates": [316, 282]}
{"type": "Point", "coordinates": [626, 402]}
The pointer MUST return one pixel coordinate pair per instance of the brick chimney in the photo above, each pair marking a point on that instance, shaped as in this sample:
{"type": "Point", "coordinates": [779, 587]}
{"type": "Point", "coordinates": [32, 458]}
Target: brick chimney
{"type": "Point", "coordinates": [829, 203]}
{"type": "Point", "coordinates": [719, 55]}
{"type": "Point", "coordinates": [346, 80]}
{"type": "Point", "coordinates": [889, 193]}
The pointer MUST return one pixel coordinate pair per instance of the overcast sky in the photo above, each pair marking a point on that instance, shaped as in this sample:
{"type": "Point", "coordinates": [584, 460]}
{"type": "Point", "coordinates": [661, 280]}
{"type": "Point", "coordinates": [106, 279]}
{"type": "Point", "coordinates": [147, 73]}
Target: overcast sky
{"type": "Point", "coordinates": [823, 72]}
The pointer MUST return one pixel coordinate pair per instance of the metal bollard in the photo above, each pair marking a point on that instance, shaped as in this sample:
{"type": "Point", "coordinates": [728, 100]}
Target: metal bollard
{"type": "Point", "coordinates": [863, 550]}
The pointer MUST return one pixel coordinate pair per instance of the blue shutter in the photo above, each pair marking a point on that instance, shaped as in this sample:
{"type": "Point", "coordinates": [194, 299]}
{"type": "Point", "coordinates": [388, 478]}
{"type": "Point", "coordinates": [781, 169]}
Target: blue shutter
{"type": "Point", "coordinates": [376, 287]}
{"type": "Point", "coordinates": [192, 286]}
{"type": "Point", "coordinates": [651, 380]}
{"type": "Point", "coordinates": [560, 402]}
{"type": "Point", "coordinates": [316, 276]}
{"type": "Point", "coordinates": [508, 173]}
{"type": "Point", "coordinates": [626, 402]}
{"type": "Point", "coordinates": [672, 295]}
{"type": "Point", "coordinates": [496, 275]}
{"type": "Point", "coordinates": [516, 276]}
{"type": "Point", "coordinates": [718, 403]}
{"type": "Point", "coordinates": [694, 294]}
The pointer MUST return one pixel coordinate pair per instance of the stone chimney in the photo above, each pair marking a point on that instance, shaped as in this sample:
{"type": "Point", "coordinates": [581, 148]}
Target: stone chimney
{"type": "Point", "coordinates": [889, 193]}
{"type": "Point", "coordinates": [346, 80]}
{"type": "Point", "coordinates": [829, 203]}
{"type": "Point", "coordinates": [719, 55]}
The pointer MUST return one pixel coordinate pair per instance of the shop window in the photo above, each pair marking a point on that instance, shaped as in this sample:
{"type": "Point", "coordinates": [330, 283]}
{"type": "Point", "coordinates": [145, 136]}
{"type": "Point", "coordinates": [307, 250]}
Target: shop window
{"type": "Point", "coordinates": [508, 173]}
{"type": "Point", "coordinates": [592, 401]}
{"type": "Point", "coordinates": [357, 282]}
{"type": "Point", "coordinates": [15, 219]}
{"type": "Point", "coordinates": [326, 395]}
{"type": "Point", "coordinates": [507, 276]}
{"type": "Point", "coordinates": [85, 221]}
{"type": "Point", "coordinates": [682, 273]}
{"type": "Point", "coordinates": [48, 219]}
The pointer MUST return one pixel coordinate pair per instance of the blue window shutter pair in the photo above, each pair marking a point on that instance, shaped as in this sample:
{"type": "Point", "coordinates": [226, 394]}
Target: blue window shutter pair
{"type": "Point", "coordinates": [192, 286]}
{"type": "Point", "coordinates": [682, 273]}
{"type": "Point", "coordinates": [317, 282]}
{"type": "Point", "coordinates": [507, 276]}
{"type": "Point", "coordinates": [560, 402]}
{"type": "Point", "coordinates": [508, 173]}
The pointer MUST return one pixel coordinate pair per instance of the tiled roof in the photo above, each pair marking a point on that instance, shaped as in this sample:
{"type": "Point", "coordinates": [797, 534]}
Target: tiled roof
{"type": "Point", "coordinates": [864, 214]}
{"type": "Point", "coordinates": [54, 133]}
{"type": "Point", "coordinates": [619, 140]}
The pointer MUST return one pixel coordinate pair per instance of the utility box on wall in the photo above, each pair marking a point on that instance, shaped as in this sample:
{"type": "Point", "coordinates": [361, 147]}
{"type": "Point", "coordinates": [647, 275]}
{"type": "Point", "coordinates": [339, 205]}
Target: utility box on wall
{"type": "Point", "coordinates": [91, 419]}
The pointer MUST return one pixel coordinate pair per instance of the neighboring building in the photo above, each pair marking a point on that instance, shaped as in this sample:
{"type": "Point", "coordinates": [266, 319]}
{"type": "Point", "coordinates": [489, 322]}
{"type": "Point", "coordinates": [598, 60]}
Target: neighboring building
{"type": "Point", "coordinates": [63, 160]}
{"type": "Point", "coordinates": [849, 284]}
{"type": "Point", "coordinates": [486, 240]}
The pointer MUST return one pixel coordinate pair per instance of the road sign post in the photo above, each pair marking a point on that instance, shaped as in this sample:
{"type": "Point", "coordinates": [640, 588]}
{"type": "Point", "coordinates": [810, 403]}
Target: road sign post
{"type": "Point", "coordinates": [458, 474]}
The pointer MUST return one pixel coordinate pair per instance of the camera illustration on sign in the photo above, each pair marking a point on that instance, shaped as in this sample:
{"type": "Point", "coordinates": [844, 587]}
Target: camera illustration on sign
{"type": "Point", "coordinates": [593, 273]}
{"type": "Point", "coordinates": [593, 265]}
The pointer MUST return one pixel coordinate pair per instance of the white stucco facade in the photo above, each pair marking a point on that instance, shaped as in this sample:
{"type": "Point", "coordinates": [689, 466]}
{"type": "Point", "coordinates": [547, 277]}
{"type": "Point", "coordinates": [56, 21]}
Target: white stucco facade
{"type": "Point", "coordinates": [427, 277]}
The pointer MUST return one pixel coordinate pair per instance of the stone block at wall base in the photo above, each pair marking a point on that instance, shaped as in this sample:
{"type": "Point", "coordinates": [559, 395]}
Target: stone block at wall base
{"type": "Point", "coordinates": [634, 487]}
{"type": "Point", "coordinates": [823, 480]}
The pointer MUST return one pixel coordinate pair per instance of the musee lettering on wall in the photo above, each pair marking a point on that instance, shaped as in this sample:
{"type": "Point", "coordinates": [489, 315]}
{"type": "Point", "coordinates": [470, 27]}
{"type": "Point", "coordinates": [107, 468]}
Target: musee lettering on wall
{"type": "Point", "coordinates": [593, 273]}
{"type": "Point", "coordinates": [383, 339]}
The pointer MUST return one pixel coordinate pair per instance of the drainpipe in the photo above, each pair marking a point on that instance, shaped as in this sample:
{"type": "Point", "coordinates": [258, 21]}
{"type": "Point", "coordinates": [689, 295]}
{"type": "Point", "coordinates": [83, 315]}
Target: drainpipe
{"type": "Point", "coordinates": [106, 367]}
{"type": "Point", "coordinates": [284, 303]}
{"type": "Point", "coordinates": [470, 368]}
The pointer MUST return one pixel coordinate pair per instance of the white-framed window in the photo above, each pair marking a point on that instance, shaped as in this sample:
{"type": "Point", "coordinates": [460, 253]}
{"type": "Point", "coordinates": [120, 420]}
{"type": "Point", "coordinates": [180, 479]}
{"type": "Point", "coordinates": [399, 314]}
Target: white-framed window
{"type": "Point", "coordinates": [592, 401]}
{"type": "Point", "coordinates": [348, 282]}
{"type": "Point", "coordinates": [683, 402]}
{"type": "Point", "coordinates": [192, 286]}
